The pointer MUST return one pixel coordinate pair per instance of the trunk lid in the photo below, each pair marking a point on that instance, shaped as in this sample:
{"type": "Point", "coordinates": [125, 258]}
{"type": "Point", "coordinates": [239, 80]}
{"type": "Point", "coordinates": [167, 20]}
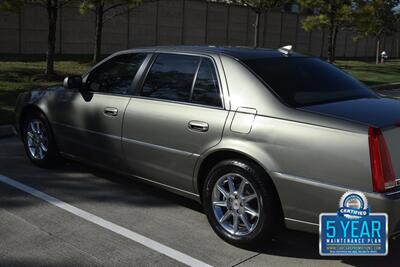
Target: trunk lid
{"type": "Point", "coordinates": [377, 112]}
{"type": "Point", "coordinates": [383, 113]}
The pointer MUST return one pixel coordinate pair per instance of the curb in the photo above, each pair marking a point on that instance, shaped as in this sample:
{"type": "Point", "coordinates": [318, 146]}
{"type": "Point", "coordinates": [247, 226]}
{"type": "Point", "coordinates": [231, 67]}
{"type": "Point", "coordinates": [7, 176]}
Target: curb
{"type": "Point", "coordinates": [388, 86]}
{"type": "Point", "coordinates": [7, 131]}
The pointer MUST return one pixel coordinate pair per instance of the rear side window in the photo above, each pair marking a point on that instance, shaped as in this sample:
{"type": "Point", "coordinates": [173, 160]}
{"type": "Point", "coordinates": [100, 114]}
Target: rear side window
{"type": "Point", "coordinates": [305, 81]}
{"type": "Point", "coordinates": [206, 88]}
{"type": "Point", "coordinates": [183, 78]}
{"type": "Point", "coordinates": [171, 77]}
{"type": "Point", "coordinates": [115, 76]}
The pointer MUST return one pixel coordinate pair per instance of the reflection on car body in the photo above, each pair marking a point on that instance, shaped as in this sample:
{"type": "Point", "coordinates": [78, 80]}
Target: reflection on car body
{"type": "Point", "coordinates": [259, 136]}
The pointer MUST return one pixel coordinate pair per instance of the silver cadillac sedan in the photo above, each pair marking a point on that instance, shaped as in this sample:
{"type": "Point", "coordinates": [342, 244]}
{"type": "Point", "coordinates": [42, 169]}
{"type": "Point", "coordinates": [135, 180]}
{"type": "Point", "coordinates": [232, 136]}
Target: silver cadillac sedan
{"type": "Point", "coordinates": [261, 137]}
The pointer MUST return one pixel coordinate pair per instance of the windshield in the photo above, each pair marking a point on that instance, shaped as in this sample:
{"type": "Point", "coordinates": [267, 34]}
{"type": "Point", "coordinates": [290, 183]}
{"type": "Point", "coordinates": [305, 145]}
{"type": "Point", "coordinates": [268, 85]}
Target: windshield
{"type": "Point", "coordinates": [305, 81]}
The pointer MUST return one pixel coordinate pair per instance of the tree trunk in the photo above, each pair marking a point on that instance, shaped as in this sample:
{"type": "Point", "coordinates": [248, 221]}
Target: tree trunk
{"type": "Point", "coordinates": [98, 33]}
{"type": "Point", "coordinates": [378, 50]}
{"type": "Point", "coordinates": [335, 33]}
{"type": "Point", "coordinates": [257, 30]}
{"type": "Point", "coordinates": [52, 10]}
{"type": "Point", "coordinates": [331, 56]}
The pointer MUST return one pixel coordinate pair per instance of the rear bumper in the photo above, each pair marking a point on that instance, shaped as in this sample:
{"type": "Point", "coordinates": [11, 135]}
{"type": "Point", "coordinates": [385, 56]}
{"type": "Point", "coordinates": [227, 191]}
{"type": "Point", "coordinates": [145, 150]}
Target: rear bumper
{"type": "Point", "coordinates": [390, 204]}
{"type": "Point", "coordinates": [303, 200]}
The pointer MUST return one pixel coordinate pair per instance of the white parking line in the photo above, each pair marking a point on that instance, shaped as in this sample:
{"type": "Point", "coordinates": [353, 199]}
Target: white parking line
{"type": "Point", "coordinates": [147, 242]}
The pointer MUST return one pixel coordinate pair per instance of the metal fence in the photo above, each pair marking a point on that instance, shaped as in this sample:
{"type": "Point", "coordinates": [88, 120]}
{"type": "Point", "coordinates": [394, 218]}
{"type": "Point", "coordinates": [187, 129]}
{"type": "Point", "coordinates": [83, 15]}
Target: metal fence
{"type": "Point", "coordinates": [174, 22]}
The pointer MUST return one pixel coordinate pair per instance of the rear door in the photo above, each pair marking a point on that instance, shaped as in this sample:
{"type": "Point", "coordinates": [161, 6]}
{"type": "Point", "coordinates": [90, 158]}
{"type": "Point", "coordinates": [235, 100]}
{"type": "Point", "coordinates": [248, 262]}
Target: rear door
{"type": "Point", "coordinates": [177, 115]}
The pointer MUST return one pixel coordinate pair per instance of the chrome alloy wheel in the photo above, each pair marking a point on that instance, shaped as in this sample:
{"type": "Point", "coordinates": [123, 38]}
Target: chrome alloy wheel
{"type": "Point", "coordinates": [37, 139]}
{"type": "Point", "coordinates": [236, 204]}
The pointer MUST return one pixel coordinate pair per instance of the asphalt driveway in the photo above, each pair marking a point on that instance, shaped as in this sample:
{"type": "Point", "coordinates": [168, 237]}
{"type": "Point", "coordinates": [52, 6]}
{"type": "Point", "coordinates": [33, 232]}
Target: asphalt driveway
{"type": "Point", "coordinates": [36, 232]}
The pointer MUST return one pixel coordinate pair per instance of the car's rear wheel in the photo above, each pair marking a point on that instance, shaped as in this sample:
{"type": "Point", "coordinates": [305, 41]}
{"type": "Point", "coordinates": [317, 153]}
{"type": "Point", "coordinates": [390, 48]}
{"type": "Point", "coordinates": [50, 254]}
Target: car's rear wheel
{"type": "Point", "coordinates": [39, 141]}
{"type": "Point", "coordinates": [240, 204]}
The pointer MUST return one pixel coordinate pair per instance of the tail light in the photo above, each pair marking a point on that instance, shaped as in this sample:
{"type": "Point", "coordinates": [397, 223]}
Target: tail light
{"type": "Point", "coordinates": [381, 163]}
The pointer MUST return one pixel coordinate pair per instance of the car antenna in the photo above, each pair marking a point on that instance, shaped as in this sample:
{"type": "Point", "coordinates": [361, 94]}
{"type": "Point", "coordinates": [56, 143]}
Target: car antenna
{"type": "Point", "coordinates": [287, 49]}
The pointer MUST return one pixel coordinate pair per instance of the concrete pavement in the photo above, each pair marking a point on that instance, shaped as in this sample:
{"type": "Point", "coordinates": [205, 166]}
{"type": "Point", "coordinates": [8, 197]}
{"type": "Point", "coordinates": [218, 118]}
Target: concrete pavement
{"type": "Point", "coordinates": [34, 232]}
{"type": "Point", "coordinates": [6, 131]}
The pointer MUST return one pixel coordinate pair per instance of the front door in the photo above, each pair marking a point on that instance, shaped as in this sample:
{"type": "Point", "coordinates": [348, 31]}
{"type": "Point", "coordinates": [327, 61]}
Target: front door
{"type": "Point", "coordinates": [178, 115]}
{"type": "Point", "coordinates": [89, 125]}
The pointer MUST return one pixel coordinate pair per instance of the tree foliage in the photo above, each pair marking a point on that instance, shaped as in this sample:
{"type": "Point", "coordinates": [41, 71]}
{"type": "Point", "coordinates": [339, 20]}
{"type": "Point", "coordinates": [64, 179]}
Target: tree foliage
{"type": "Point", "coordinates": [111, 8]}
{"type": "Point", "coordinates": [259, 7]}
{"type": "Point", "coordinates": [262, 6]}
{"type": "Point", "coordinates": [378, 19]}
{"type": "Point", "coordinates": [12, 5]}
{"type": "Point", "coordinates": [333, 15]}
{"type": "Point", "coordinates": [324, 11]}
{"type": "Point", "coordinates": [51, 7]}
{"type": "Point", "coordinates": [104, 11]}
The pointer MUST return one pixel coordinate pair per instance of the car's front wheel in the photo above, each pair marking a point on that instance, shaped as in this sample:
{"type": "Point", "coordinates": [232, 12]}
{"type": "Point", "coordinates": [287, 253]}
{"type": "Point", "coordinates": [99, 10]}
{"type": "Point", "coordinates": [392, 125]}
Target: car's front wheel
{"type": "Point", "coordinates": [240, 203]}
{"type": "Point", "coordinates": [39, 141]}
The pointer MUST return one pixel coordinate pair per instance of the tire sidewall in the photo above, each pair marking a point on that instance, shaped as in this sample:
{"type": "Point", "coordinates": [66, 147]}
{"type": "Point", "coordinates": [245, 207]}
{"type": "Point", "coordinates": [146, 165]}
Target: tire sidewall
{"type": "Point", "coordinates": [52, 154]}
{"type": "Point", "coordinates": [265, 223]}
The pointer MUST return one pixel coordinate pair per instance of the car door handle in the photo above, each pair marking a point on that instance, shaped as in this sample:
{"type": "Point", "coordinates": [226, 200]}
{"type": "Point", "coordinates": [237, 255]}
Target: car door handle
{"type": "Point", "coordinates": [111, 111]}
{"type": "Point", "coordinates": [198, 126]}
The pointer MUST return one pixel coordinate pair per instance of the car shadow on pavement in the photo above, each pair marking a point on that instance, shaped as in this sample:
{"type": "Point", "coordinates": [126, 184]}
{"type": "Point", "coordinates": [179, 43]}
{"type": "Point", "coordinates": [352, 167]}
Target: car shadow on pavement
{"type": "Point", "coordinates": [95, 185]}
{"type": "Point", "coordinates": [288, 243]}
{"type": "Point", "coordinates": [135, 186]}
{"type": "Point", "coordinates": [81, 183]}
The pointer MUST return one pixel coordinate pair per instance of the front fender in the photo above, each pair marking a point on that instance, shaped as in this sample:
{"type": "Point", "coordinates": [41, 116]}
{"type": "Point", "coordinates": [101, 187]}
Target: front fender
{"type": "Point", "coordinates": [37, 99]}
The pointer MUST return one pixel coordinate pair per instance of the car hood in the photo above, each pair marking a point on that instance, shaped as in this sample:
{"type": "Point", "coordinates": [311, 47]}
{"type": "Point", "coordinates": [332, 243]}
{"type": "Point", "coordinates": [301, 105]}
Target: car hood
{"type": "Point", "coordinates": [378, 112]}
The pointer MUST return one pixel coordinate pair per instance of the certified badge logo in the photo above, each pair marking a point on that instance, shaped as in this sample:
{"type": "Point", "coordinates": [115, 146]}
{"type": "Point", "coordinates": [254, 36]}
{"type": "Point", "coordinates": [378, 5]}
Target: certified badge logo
{"type": "Point", "coordinates": [353, 230]}
{"type": "Point", "coordinates": [353, 205]}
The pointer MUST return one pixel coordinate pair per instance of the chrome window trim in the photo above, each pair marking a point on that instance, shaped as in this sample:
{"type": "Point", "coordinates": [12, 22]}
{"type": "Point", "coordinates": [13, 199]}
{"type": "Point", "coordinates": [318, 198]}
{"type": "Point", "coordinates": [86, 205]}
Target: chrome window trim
{"type": "Point", "coordinates": [176, 102]}
{"type": "Point", "coordinates": [200, 55]}
{"type": "Point", "coordinates": [109, 94]}
{"type": "Point", "coordinates": [131, 90]}
{"type": "Point", "coordinates": [149, 52]}
{"type": "Point", "coordinates": [195, 79]}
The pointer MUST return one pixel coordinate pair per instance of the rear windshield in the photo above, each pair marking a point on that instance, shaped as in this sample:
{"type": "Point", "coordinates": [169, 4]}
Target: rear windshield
{"type": "Point", "coordinates": [305, 81]}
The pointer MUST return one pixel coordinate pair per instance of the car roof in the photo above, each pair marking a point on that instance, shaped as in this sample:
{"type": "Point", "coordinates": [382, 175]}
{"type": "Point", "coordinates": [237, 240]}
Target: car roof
{"type": "Point", "coordinates": [240, 53]}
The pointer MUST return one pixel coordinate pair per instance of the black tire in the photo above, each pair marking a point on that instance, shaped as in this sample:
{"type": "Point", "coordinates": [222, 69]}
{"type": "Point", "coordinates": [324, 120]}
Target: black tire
{"type": "Point", "coordinates": [51, 157]}
{"type": "Point", "coordinates": [269, 209]}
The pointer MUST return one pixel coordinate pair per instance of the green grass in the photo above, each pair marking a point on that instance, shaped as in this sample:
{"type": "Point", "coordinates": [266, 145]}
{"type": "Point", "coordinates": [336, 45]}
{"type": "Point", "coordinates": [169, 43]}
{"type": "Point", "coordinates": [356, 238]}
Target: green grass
{"type": "Point", "coordinates": [372, 74]}
{"type": "Point", "coordinates": [19, 74]}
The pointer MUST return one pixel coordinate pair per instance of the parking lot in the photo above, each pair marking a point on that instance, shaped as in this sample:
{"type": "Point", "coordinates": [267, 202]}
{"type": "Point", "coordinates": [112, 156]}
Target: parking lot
{"type": "Point", "coordinates": [75, 215]}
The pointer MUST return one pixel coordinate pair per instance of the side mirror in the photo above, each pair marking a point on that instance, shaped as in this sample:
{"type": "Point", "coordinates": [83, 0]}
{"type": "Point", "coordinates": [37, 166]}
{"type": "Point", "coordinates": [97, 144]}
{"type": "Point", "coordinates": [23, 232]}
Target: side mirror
{"type": "Point", "coordinates": [73, 82]}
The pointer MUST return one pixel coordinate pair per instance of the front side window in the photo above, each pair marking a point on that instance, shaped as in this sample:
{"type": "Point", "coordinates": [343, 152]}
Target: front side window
{"type": "Point", "coordinates": [171, 77]}
{"type": "Point", "coordinates": [305, 81]}
{"type": "Point", "coordinates": [115, 76]}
